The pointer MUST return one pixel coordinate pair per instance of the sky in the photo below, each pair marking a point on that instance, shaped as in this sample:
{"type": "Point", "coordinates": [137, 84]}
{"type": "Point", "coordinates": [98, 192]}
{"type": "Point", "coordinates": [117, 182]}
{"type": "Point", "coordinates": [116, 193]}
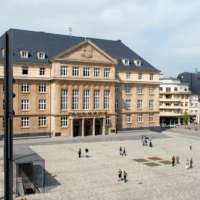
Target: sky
{"type": "Point", "coordinates": [166, 33]}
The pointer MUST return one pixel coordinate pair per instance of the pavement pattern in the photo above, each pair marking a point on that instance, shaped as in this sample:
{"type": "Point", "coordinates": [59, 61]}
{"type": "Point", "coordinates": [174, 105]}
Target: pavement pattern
{"type": "Point", "coordinates": [96, 177]}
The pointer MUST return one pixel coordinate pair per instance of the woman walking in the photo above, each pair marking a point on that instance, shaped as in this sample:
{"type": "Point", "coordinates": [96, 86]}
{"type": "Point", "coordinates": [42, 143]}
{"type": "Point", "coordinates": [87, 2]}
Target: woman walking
{"type": "Point", "coordinates": [125, 174]}
{"type": "Point", "coordinates": [79, 152]}
{"type": "Point", "coordinates": [177, 160]}
{"type": "Point", "coordinates": [86, 152]}
{"type": "Point", "coordinates": [120, 150]}
{"type": "Point", "coordinates": [187, 164]}
{"type": "Point", "coordinates": [119, 175]}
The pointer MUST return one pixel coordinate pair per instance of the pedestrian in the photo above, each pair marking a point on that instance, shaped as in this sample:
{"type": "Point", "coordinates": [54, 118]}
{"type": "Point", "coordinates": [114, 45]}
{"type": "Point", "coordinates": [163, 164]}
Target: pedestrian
{"type": "Point", "coordinates": [79, 152]}
{"type": "Point", "coordinates": [177, 160]}
{"type": "Point", "coordinates": [124, 151]}
{"type": "Point", "coordinates": [143, 140]}
{"type": "Point", "coordinates": [190, 146]}
{"type": "Point", "coordinates": [86, 152]}
{"type": "Point", "coordinates": [120, 150]}
{"type": "Point", "coordinates": [119, 175]}
{"type": "Point", "coordinates": [142, 137]}
{"type": "Point", "coordinates": [150, 143]}
{"type": "Point", "coordinates": [187, 164]}
{"type": "Point", "coordinates": [191, 163]}
{"type": "Point", "coordinates": [125, 174]}
{"type": "Point", "coordinates": [173, 160]}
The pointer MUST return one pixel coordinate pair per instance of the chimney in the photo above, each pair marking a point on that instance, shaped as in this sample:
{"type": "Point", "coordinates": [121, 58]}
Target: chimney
{"type": "Point", "coordinates": [118, 40]}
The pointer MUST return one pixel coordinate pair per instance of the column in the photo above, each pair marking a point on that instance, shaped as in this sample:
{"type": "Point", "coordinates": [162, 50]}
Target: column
{"type": "Point", "coordinates": [179, 121]}
{"type": "Point", "coordinates": [93, 127]}
{"type": "Point", "coordinates": [72, 127]}
{"type": "Point", "coordinates": [83, 127]}
{"type": "Point", "coordinates": [70, 97]}
{"type": "Point", "coordinates": [104, 126]}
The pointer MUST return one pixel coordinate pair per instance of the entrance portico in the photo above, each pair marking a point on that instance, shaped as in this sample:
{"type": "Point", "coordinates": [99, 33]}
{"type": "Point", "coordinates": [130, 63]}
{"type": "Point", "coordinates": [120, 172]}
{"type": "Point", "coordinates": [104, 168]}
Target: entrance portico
{"type": "Point", "coordinates": [85, 125]}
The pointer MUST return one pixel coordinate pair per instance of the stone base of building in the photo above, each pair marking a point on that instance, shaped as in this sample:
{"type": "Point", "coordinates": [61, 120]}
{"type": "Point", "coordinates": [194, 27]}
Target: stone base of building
{"type": "Point", "coordinates": [150, 128]}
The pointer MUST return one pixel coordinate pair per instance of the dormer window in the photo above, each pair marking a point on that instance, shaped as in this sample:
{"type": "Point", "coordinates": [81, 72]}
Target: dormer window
{"type": "Point", "coordinates": [24, 54]}
{"type": "Point", "coordinates": [125, 61]}
{"type": "Point", "coordinates": [2, 51]}
{"type": "Point", "coordinates": [41, 55]}
{"type": "Point", "coordinates": [137, 63]}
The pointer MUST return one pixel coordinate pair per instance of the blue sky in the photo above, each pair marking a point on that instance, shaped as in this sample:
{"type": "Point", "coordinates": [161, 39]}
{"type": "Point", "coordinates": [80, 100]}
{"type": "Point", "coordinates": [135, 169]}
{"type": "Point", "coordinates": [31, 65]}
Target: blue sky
{"type": "Point", "coordinates": [164, 32]}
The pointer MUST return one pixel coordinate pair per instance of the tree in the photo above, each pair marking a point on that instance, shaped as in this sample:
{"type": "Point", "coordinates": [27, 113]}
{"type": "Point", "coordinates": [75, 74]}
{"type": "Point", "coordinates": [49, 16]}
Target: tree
{"type": "Point", "coordinates": [185, 118]}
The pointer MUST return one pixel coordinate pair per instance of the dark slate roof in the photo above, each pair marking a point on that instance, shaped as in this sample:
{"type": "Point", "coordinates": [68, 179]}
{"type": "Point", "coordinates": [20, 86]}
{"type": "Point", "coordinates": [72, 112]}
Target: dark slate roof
{"type": "Point", "coordinates": [54, 44]}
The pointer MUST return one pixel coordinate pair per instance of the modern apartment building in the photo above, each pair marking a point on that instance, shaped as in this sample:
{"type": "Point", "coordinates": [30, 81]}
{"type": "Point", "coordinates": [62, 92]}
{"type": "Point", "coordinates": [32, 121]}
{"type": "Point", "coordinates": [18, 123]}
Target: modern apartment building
{"type": "Point", "coordinates": [194, 108]}
{"type": "Point", "coordinates": [174, 100]}
{"type": "Point", "coordinates": [69, 86]}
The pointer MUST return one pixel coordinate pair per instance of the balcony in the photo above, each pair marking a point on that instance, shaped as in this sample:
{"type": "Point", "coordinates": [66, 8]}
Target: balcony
{"type": "Point", "coordinates": [170, 107]}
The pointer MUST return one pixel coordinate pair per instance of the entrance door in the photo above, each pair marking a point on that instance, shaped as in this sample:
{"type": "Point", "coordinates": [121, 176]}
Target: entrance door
{"type": "Point", "coordinates": [87, 127]}
{"type": "Point", "coordinates": [76, 128]}
{"type": "Point", "coordinates": [97, 127]}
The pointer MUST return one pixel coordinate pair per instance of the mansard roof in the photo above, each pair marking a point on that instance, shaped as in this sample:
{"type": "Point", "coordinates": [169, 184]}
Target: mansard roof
{"type": "Point", "coordinates": [54, 44]}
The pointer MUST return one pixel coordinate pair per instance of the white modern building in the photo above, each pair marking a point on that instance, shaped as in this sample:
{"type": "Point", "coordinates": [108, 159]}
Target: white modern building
{"type": "Point", "coordinates": [194, 108]}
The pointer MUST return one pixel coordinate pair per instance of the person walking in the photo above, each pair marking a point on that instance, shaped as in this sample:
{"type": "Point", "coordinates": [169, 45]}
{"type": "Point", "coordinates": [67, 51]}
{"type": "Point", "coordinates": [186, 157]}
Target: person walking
{"type": "Point", "coordinates": [191, 161]}
{"type": "Point", "coordinates": [173, 160]}
{"type": "Point", "coordinates": [119, 175]}
{"type": "Point", "coordinates": [125, 174]}
{"type": "Point", "coordinates": [190, 146]}
{"type": "Point", "coordinates": [86, 152]}
{"type": "Point", "coordinates": [120, 150]}
{"type": "Point", "coordinates": [143, 140]}
{"type": "Point", "coordinates": [150, 143]}
{"type": "Point", "coordinates": [177, 160]}
{"type": "Point", "coordinates": [187, 164]}
{"type": "Point", "coordinates": [79, 152]}
{"type": "Point", "coordinates": [124, 151]}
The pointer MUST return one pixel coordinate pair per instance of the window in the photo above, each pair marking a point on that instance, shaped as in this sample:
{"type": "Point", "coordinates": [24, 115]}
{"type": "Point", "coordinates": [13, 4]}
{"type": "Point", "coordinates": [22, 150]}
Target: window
{"type": "Point", "coordinates": [139, 90]}
{"type": "Point", "coordinates": [42, 121]}
{"type": "Point", "coordinates": [151, 90]}
{"type": "Point", "coordinates": [25, 121]}
{"type": "Point", "coordinates": [161, 96]}
{"type": "Point", "coordinates": [168, 104]}
{"type": "Point", "coordinates": [128, 118]}
{"type": "Point", "coordinates": [116, 119]}
{"type": "Point", "coordinates": [126, 62]}
{"type": "Point", "coordinates": [25, 87]}
{"type": "Point", "coordinates": [24, 54]}
{"type": "Point", "coordinates": [42, 87]}
{"type": "Point", "coordinates": [151, 103]}
{"type": "Point", "coordinates": [186, 96]}
{"type": "Point", "coordinates": [176, 89]}
{"type": "Point", "coordinates": [116, 75]}
{"type": "Point", "coordinates": [3, 104]}
{"type": "Point", "coordinates": [151, 117]}
{"type": "Point", "coordinates": [64, 122]}
{"type": "Point", "coordinates": [42, 104]}
{"type": "Point", "coordinates": [196, 111]}
{"type": "Point", "coordinates": [196, 104]}
{"type": "Point", "coordinates": [185, 89]}
{"type": "Point", "coordinates": [186, 104]}
{"type": "Point", "coordinates": [116, 104]}
{"type": "Point", "coordinates": [116, 89]}
{"type": "Point", "coordinates": [75, 71]}
{"type": "Point", "coordinates": [107, 120]}
{"type": "Point", "coordinates": [128, 89]}
{"type": "Point", "coordinates": [182, 96]}
{"type": "Point", "coordinates": [151, 77]}
{"type": "Point", "coordinates": [192, 104]}
{"type": "Point", "coordinates": [96, 72]}
{"type": "Point", "coordinates": [128, 75]}
{"type": "Point", "coordinates": [64, 70]}
{"type": "Point", "coordinates": [161, 103]}
{"type": "Point", "coordinates": [42, 70]}
{"type": "Point", "coordinates": [191, 98]}
{"type": "Point", "coordinates": [191, 111]}
{"type": "Point", "coordinates": [181, 104]}
{"type": "Point", "coordinates": [140, 118]}
{"type": "Point", "coordinates": [106, 72]}
{"type": "Point", "coordinates": [24, 70]}
{"type": "Point", "coordinates": [86, 71]}
{"type": "Point", "coordinates": [3, 123]}
{"type": "Point", "coordinates": [161, 111]}
{"type": "Point", "coordinates": [168, 89]}
{"type": "Point", "coordinates": [161, 88]}
{"type": "Point", "coordinates": [64, 99]}
{"type": "Point", "coordinates": [41, 55]}
{"type": "Point", "coordinates": [25, 104]}
{"type": "Point", "coordinates": [97, 99]}
{"type": "Point", "coordinates": [3, 87]}
{"type": "Point", "coordinates": [2, 51]}
{"type": "Point", "coordinates": [106, 99]}
{"type": "Point", "coordinates": [139, 105]}
{"type": "Point", "coordinates": [175, 96]}
{"type": "Point", "coordinates": [138, 63]}
{"type": "Point", "coordinates": [181, 88]}
{"type": "Point", "coordinates": [175, 111]}
{"type": "Point", "coordinates": [128, 104]}
{"type": "Point", "coordinates": [168, 111]}
{"type": "Point", "coordinates": [176, 104]}
{"type": "Point", "coordinates": [140, 76]}
{"type": "Point", "coordinates": [86, 100]}
{"type": "Point", "coordinates": [75, 100]}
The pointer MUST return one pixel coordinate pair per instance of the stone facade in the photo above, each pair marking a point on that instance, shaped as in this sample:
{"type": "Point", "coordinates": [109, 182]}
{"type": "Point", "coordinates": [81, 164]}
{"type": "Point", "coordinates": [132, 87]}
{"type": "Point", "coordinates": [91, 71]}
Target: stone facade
{"type": "Point", "coordinates": [80, 120]}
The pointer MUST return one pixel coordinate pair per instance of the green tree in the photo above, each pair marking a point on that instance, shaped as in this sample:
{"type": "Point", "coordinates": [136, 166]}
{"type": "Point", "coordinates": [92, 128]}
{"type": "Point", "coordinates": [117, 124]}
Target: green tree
{"type": "Point", "coordinates": [185, 118]}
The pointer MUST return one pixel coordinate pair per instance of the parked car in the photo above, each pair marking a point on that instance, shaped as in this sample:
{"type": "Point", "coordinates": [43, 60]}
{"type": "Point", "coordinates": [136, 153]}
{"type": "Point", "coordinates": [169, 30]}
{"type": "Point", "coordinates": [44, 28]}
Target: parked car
{"type": "Point", "coordinates": [170, 126]}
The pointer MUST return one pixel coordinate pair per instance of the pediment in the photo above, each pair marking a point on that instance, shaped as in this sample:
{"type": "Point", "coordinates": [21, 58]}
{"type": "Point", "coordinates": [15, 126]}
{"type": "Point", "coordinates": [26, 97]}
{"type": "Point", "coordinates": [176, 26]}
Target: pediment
{"type": "Point", "coordinates": [85, 51]}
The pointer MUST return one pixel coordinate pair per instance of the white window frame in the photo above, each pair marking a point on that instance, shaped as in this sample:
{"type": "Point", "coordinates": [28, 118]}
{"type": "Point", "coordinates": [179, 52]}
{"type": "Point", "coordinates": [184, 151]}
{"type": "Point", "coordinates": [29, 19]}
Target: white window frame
{"type": "Point", "coordinates": [128, 118]}
{"type": "Point", "coordinates": [128, 104]}
{"type": "Point", "coordinates": [42, 71]}
{"type": "Point", "coordinates": [75, 101]}
{"type": "Point", "coordinates": [24, 54]}
{"type": "Point", "coordinates": [25, 87]}
{"type": "Point", "coordinates": [151, 90]}
{"type": "Point", "coordinates": [151, 103]}
{"type": "Point", "coordinates": [116, 119]}
{"type": "Point", "coordinates": [140, 117]}
{"type": "Point", "coordinates": [116, 89]}
{"type": "Point", "coordinates": [41, 55]}
{"type": "Point", "coordinates": [151, 117]}
{"type": "Point", "coordinates": [128, 75]}
{"type": "Point", "coordinates": [75, 71]}
{"type": "Point", "coordinates": [64, 122]}
{"type": "Point", "coordinates": [140, 90]}
{"type": "Point", "coordinates": [139, 104]}
{"type": "Point", "coordinates": [42, 121]}
{"type": "Point", "coordinates": [25, 104]}
{"type": "Point", "coordinates": [96, 99]}
{"type": "Point", "coordinates": [86, 100]}
{"type": "Point", "coordinates": [42, 104]}
{"type": "Point", "coordinates": [42, 87]}
{"type": "Point", "coordinates": [24, 68]}
{"type": "Point", "coordinates": [25, 122]}
{"type": "Point", "coordinates": [151, 77]}
{"type": "Point", "coordinates": [106, 99]}
{"type": "Point", "coordinates": [64, 70]}
{"type": "Point", "coordinates": [86, 71]}
{"type": "Point", "coordinates": [96, 72]}
{"type": "Point", "coordinates": [107, 120]}
{"type": "Point", "coordinates": [116, 104]}
{"type": "Point", "coordinates": [64, 99]}
{"type": "Point", "coordinates": [107, 73]}
{"type": "Point", "coordinates": [139, 76]}
{"type": "Point", "coordinates": [128, 89]}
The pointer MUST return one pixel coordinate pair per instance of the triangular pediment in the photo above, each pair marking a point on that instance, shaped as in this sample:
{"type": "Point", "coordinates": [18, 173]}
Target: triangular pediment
{"type": "Point", "coordinates": [85, 51]}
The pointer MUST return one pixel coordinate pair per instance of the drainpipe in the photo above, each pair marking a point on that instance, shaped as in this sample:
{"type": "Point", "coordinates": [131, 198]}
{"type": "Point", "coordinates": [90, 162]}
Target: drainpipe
{"type": "Point", "coordinates": [50, 100]}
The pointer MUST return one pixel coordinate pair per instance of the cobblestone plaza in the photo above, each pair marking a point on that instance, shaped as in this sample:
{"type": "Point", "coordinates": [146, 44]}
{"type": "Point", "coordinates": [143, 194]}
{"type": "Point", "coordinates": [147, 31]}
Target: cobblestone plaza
{"type": "Point", "coordinates": [96, 177]}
